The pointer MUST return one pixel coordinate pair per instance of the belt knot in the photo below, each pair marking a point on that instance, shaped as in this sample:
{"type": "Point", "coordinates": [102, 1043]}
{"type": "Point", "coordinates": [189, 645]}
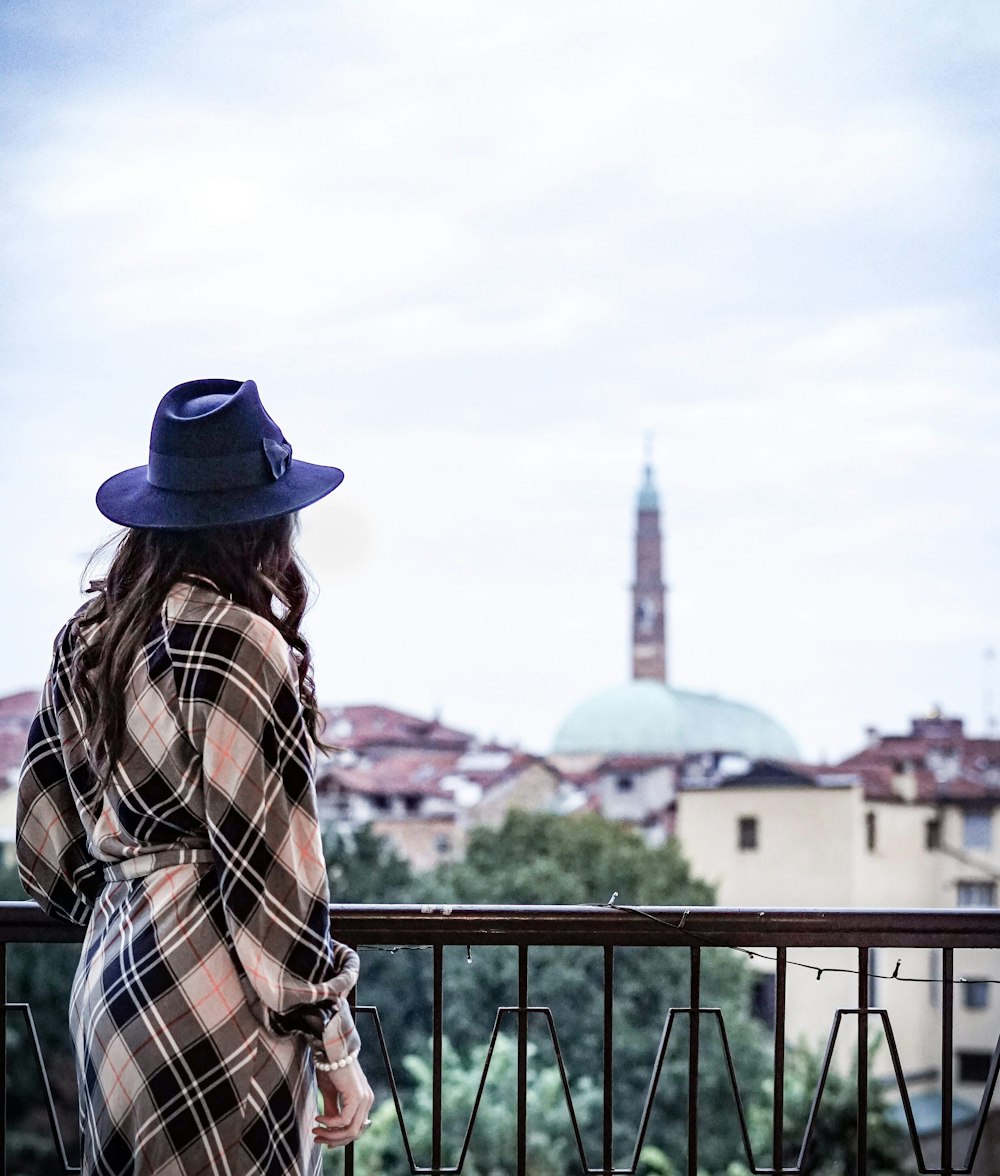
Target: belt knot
{"type": "Point", "coordinates": [145, 863]}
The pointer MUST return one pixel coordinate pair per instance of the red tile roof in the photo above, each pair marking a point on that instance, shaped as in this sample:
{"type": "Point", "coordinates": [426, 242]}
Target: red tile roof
{"type": "Point", "coordinates": [471, 766]}
{"type": "Point", "coordinates": [638, 763]}
{"type": "Point", "coordinates": [417, 773]}
{"type": "Point", "coordinates": [360, 727]}
{"type": "Point", "coordinates": [16, 713]}
{"type": "Point", "coordinates": [581, 776]}
{"type": "Point", "coordinates": [937, 758]}
{"type": "Point", "coordinates": [20, 706]}
{"type": "Point", "coordinates": [589, 770]}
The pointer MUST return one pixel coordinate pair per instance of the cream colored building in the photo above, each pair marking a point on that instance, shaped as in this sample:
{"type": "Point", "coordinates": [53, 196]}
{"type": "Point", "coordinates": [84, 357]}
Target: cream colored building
{"type": "Point", "coordinates": [910, 821]}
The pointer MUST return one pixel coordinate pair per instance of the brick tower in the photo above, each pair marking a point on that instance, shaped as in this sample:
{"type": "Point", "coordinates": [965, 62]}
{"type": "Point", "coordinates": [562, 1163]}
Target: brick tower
{"type": "Point", "coordinates": [649, 599]}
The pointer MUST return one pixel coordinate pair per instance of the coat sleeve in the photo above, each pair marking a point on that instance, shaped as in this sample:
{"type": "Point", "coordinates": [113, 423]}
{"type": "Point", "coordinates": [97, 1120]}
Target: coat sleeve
{"type": "Point", "coordinates": [53, 857]}
{"type": "Point", "coordinates": [239, 698]}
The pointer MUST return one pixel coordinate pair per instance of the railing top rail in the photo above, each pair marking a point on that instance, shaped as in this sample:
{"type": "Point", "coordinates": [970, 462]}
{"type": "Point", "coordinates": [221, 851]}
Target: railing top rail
{"type": "Point", "coordinates": [600, 925]}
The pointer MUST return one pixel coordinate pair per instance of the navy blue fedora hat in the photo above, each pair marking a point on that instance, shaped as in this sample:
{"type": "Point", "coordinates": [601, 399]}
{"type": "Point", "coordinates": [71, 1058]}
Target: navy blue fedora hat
{"type": "Point", "coordinates": [215, 458]}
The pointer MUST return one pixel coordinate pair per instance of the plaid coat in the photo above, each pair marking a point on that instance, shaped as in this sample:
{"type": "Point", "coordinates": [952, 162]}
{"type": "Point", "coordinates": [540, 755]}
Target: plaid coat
{"type": "Point", "coordinates": [208, 969]}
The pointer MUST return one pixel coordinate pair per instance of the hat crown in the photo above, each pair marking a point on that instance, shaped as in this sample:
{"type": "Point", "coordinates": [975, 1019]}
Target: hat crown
{"type": "Point", "coordinates": [216, 458]}
{"type": "Point", "coordinates": [202, 405]}
{"type": "Point", "coordinates": [210, 418]}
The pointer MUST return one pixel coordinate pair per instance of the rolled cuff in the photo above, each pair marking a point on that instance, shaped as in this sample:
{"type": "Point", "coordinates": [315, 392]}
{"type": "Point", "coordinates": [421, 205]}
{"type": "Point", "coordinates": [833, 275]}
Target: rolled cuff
{"type": "Point", "coordinates": [340, 1035]}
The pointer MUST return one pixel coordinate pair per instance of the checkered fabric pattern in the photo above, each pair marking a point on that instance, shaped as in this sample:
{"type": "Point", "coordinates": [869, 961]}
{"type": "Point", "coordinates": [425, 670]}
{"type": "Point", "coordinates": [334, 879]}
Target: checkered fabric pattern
{"type": "Point", "coordinates": [208, 966]}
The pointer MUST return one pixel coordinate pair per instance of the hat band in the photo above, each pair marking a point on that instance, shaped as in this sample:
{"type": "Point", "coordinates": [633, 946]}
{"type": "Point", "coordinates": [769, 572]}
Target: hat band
{"type": "Point", "coordinates": [231, 471]}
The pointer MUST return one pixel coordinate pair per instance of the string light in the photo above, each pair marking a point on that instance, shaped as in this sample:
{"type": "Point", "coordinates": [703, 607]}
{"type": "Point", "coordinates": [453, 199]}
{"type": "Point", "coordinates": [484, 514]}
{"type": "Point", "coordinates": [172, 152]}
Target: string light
{"type": "Point", "coordinates": [396, 947]}
{"type": "Point", "coordinates": [707, 939]}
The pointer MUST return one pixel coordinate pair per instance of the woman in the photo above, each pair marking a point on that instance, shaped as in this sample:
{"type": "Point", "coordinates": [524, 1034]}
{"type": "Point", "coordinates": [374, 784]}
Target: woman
{"type": "Point", "coordinates": [167, 802]}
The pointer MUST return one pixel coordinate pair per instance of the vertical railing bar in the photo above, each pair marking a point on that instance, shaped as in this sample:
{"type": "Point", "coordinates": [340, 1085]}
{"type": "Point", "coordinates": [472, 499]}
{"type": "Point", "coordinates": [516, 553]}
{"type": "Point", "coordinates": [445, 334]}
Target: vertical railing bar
{"type": "Point", "coordinates": [984, 1107]}
{"type": "Point", "coordinates": [609, 1005]}
{"type": "Point", "coordinates": [947, 1056]}
{"type": "Point", "coordinates": [862, 1136]}
{"type": "Point", "coordinates": [3, 1060]}
{"type": "Point", "coordinates": [352, 1001]}
{"type": "Point", "coordinates": [522, 1060]}
{"type": "Point", "coordinates": [693, 1043]}
{"type": "Point", "coordinates": [778, 1127]}
{"type": "Point", "coordinates": [437, 1059]}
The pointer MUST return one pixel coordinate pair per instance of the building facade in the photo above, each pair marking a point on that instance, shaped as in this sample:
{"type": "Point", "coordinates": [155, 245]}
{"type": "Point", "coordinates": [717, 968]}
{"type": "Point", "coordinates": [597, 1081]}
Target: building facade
{"type": "Point", "coordinates": [423, 785]}
{"type": "Point", "coordinates": [909, 821]}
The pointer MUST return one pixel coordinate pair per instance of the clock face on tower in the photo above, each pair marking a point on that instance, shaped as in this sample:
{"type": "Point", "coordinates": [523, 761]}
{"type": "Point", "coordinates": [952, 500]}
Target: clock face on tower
{"type": "Point", "coordinates": [646, 613]}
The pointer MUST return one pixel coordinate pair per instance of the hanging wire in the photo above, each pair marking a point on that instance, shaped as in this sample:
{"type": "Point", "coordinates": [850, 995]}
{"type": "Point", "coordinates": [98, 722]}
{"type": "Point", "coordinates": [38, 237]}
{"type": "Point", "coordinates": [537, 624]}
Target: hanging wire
{"type": "Point", "coordinates": [707, 939]}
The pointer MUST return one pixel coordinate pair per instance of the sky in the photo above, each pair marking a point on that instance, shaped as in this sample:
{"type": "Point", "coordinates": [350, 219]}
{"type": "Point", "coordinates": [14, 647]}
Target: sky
{"type": "Point", "coordinates": [473, 253]}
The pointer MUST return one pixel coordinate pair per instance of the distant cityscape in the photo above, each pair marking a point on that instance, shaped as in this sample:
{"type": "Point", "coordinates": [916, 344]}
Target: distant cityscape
{"type": "Point", "coordinates": [907, 820]}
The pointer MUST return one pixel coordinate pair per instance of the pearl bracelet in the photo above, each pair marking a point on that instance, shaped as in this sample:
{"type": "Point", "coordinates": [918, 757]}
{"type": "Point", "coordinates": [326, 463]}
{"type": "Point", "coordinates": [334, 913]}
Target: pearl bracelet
{"type": "Point", "coordinates": [338, 1065]}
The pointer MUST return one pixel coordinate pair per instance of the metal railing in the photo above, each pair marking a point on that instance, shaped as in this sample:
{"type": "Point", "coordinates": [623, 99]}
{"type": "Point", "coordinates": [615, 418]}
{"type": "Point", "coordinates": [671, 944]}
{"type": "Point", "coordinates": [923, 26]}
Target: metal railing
{"type": "Point", "coordinates": [610, 928]}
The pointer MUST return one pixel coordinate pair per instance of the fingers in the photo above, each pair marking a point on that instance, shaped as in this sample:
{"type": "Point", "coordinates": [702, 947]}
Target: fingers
{"type": "Point", "coordinates": [343, 1126]}
{"type": "Point", "coordinates": [334, 1136]}
{"type": "Point", "coordinates": [347, 1099]}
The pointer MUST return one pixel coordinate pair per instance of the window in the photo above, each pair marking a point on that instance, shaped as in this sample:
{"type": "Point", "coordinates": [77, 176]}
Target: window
{"type": "Point", "coordinates": [762, 1002]}
{"type": "Point", "coordinates": [747, 833]}
{"type": "Point", "coordinates": [871, 832]}
{"type": "Point", "coordinates": [977, 894]}
{"type": "Point", "coordinates": [977, 829]}
{"type": "Point", "coordinates": [624, 783]}
{"type": "Point", "coordinates": [932, 834]}
{"type": "Point", "coordinates": [976, 994]}
{"type": "Point", "coordinates": [442, 844]}
{"type": "Point", "coordinates": [973, 1065]}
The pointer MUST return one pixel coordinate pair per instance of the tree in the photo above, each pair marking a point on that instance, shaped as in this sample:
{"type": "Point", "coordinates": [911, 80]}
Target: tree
{"type": "Point", "coordinates": [364, 867]}
{"type": "Point", "coordinates": [551, 1148]}
{"type": "Point", "coordinates": [832, 1151]}
{"type": "Point", "coordinates": [546, 859]}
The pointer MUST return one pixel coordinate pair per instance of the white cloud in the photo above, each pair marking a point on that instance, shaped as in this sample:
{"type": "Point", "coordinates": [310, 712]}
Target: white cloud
{"type": "Point", "coordinates": [473, 252]}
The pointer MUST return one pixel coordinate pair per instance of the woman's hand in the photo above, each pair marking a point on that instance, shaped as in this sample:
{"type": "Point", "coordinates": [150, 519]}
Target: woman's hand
{"type": "Point", "coordinates": [347, 1099]}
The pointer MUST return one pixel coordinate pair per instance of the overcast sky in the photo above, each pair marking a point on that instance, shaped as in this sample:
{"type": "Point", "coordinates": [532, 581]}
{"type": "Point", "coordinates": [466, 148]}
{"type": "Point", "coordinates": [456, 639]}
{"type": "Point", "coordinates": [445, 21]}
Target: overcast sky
{"type": "Point", "coordinates": [472, 252]}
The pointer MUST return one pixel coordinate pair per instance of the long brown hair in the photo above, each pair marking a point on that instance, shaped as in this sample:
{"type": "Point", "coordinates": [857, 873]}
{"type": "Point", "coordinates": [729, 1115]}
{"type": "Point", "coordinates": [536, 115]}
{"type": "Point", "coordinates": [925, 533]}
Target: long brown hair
{"type": "Point", "coordinates": [254, 564]}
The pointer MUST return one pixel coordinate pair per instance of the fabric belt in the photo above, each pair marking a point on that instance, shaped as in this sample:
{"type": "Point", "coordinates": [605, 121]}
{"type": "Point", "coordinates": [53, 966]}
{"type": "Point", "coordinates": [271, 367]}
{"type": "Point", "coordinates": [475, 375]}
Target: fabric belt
{"type": "Point", "coordinates": [146, 863]}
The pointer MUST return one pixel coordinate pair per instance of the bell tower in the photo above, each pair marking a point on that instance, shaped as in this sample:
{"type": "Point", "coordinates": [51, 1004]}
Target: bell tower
{"type": "Point", "coordinates": [649, 600]}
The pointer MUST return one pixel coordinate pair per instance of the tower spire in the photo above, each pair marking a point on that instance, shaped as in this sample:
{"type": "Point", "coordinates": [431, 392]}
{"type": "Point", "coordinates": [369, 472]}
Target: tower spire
{"type": "Point", "coordinates": [649, 604]}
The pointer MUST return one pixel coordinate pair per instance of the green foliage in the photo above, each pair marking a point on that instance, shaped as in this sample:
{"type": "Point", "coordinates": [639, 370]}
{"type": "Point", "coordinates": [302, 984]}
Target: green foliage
{"type": "Point", "coordinates": [832, 1151]}
{"type": "Point", "coordinates": [39, 974]}
{"type": "Point", "coordinates": [11, 889]}
{"type": "Point", "coordinates": [544, 859]}
{"type": "Point", "coordinates": [364, 867]}
{"type": "Point", "coordinates": [551, 1147]}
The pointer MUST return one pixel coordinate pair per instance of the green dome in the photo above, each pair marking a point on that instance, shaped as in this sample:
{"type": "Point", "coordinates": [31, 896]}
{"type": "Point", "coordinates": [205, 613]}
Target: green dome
{"type": "Point", "coordinates": [649, 718]}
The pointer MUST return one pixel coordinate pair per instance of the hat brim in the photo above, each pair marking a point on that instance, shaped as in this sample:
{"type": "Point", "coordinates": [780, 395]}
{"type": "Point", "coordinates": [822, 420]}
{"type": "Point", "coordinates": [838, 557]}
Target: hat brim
{"type": "Point", "coordinates": [129, 499]}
